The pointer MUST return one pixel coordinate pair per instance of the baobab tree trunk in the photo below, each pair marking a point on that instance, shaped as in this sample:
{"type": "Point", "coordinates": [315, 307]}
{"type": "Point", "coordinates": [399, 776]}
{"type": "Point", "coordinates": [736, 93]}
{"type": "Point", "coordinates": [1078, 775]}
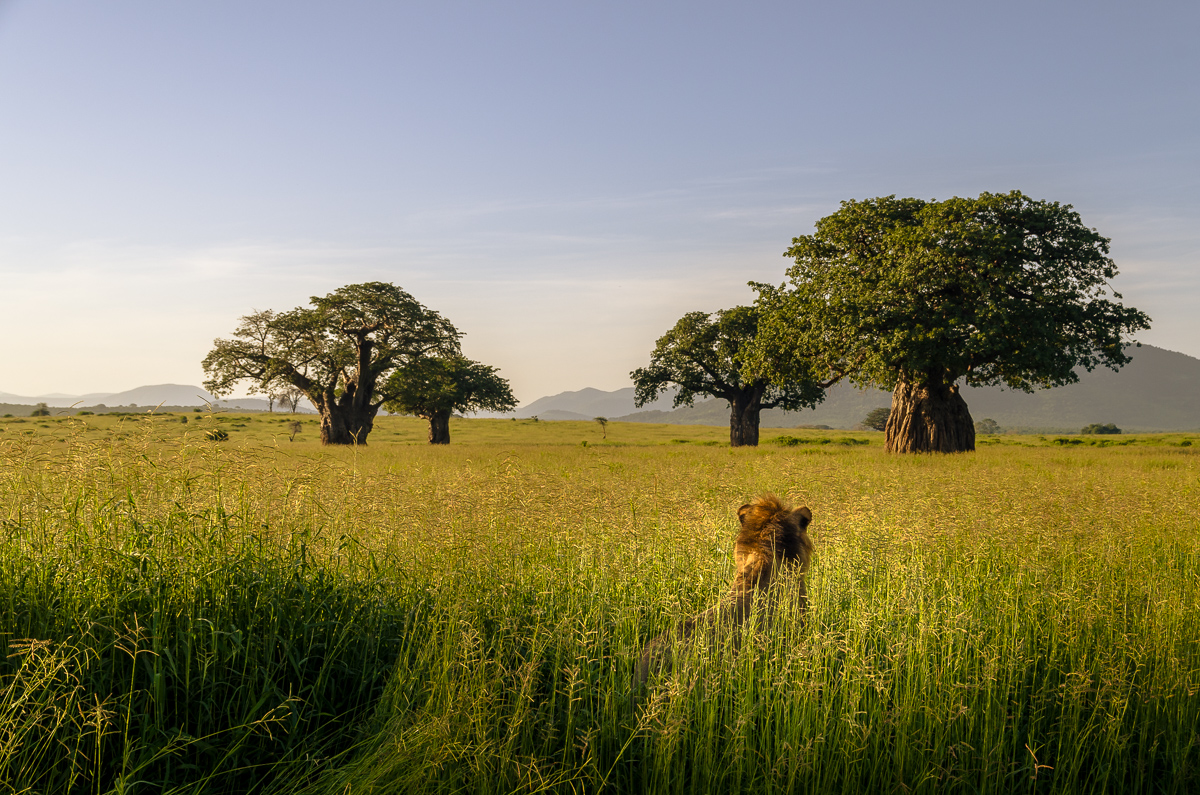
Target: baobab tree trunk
{"type": "Point", "coordinates": [929, 417]}
{"type": "Point", "coordinates": [346, 418]}
{"type": "Point", "coordinates": [341, 426]}
{"type": "Point", "coordinates": [439, 427]}
{"type": "Point", "coordinates": [744, 412]}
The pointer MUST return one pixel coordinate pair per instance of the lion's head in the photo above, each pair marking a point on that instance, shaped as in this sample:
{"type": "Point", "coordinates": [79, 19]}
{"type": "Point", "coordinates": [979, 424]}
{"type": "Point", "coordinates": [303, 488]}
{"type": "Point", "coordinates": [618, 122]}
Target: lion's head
{"type": "Point", "coordinates": [771, 535]}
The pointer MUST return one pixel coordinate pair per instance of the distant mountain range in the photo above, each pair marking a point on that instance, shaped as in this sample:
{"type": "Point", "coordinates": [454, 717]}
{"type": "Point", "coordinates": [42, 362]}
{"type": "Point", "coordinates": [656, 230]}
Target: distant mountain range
{"type": "Point", "coordinates": [174, 395]}
{"type": "Point", "coordinates": [587, 404]}
{"type": "Point", "coordinates": [1159, 390]}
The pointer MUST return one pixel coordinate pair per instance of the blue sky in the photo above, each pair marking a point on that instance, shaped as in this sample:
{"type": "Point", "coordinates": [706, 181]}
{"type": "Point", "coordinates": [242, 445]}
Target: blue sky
{"type": "Point", "coordinates": [562, 180]}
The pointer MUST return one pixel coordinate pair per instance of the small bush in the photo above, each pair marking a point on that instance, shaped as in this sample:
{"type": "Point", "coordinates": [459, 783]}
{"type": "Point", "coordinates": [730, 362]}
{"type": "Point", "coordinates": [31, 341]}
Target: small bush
{"type": "Point", "coordinates": [85, 414]}
{"type": "Point", "coordinates": [987, 427]}
{"type": "Point", "coordinates": [217, 435]}
{"type": "Point", "coordinates": [876, 419]}
{"type": "Point", "coordinates": [1066, 440]}
{"type": "Point", "coordinates": [41, 410]}
{"type": "Point", "coordinates": [792, 441]}
{"type": "Point", "coordinates": [1096, 427]}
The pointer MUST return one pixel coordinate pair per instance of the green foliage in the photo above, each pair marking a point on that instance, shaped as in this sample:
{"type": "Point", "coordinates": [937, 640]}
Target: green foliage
{"type": "Point", "coordinates": [1096, 427]}
{"type": "Point", "coordinates": [987, 426]}
{"type": "Point", "coordinates": [997, 289]}
{"type": "Point", "coordinates": [40, 410]}
{"type": "Point", "coordinates": [706, 354]}
{"type": "Point", "coordinates": [429, 385]}
{"type": "Point", "coordinates": [876, 419]}
{"type": "Point", "coordinates": [216, 435]}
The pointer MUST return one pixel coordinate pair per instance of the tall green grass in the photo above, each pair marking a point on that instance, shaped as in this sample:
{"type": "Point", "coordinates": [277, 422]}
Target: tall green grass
{"type": "Point", "coordinates": [205, 617]}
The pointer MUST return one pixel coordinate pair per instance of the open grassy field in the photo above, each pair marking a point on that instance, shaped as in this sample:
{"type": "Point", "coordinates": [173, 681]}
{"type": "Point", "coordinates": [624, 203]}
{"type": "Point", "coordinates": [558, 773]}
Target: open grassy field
{"type": "Point", "coordinates": [265, 615]}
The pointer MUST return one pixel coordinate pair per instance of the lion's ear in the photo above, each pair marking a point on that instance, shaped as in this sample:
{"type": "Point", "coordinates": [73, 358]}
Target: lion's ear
{"type": "Point", "coordinates": [742, 513]}
{"type": "Point", "coordinates": [802, 516]}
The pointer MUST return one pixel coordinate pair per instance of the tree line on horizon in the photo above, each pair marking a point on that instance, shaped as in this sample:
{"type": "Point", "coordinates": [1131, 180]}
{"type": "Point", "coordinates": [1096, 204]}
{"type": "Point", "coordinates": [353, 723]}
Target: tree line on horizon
{"type": "Point", "coordinates": [905, 295]}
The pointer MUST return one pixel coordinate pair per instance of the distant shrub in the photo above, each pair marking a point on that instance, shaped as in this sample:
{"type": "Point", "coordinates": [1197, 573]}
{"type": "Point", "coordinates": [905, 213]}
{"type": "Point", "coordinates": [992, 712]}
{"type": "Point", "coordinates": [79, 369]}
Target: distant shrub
{"type": "Point", "coordinates": [1066, 440]}
{"type": "Point", "coordinates": [1098, 428]}
{"type": "Point", "coordinates": [987, 426]}
{"type": "Point", "coordinates": [41, 410]}
{"type": "Point", "coordinates": [7, 415]}
{"type": "Point", "coordinates": [197, 410]}
{"type": "Point", "coordinates": [792, 441]}
{"type": "Point", "coordinates": [183, 419]}
{"type": "Point", "coordinates": [217, 435]}
{"type": "Point", "coordinates": [1186, 443]}
{"type": "Point", "coordinates": [876, 419]}
{"type": "Point", "coordinates": [85, 413]}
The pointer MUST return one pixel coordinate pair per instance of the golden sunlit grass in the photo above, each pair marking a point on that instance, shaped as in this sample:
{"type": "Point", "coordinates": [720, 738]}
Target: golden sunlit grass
{"type": "Point", "coordinates": [259, 614]}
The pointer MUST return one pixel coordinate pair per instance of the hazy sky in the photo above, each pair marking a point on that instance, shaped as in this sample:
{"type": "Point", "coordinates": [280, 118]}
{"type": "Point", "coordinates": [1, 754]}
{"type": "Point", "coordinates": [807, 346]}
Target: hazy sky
{"type": "Point", "coordinates": [563, 180]}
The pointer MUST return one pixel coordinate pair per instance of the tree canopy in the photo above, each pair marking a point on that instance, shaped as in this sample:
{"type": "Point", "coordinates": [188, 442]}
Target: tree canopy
{"type": "Point", "coordinates": [705, 354]}
{"type": "Point", "coordinates": [434, 387]}
{"type": "Point", "coordinates": [339, 353]}
{"type": "Point", "coordinates": [915, 296]}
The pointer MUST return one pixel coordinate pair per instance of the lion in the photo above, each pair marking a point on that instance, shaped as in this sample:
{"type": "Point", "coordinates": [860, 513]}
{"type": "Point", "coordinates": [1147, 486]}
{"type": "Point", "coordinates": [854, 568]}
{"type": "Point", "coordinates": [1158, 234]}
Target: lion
{"type": "Point", "coordinates": [772, 538]}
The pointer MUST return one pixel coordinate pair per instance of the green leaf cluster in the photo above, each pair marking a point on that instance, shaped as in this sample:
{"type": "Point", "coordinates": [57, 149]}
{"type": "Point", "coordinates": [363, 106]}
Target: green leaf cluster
{"type": "Point", "coordinates": [996, 289]}
{"type": "Point", "coordinates": [447, 384]}
{"type": "Point", "coordinates": [338, 351]}
{"type": "Point", "coordinates": [709, 354]}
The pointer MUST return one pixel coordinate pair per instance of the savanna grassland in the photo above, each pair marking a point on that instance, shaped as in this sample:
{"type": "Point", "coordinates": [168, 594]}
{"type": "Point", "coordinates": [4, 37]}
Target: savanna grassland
{"type": "Point", "coordinates": [265, 615]}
